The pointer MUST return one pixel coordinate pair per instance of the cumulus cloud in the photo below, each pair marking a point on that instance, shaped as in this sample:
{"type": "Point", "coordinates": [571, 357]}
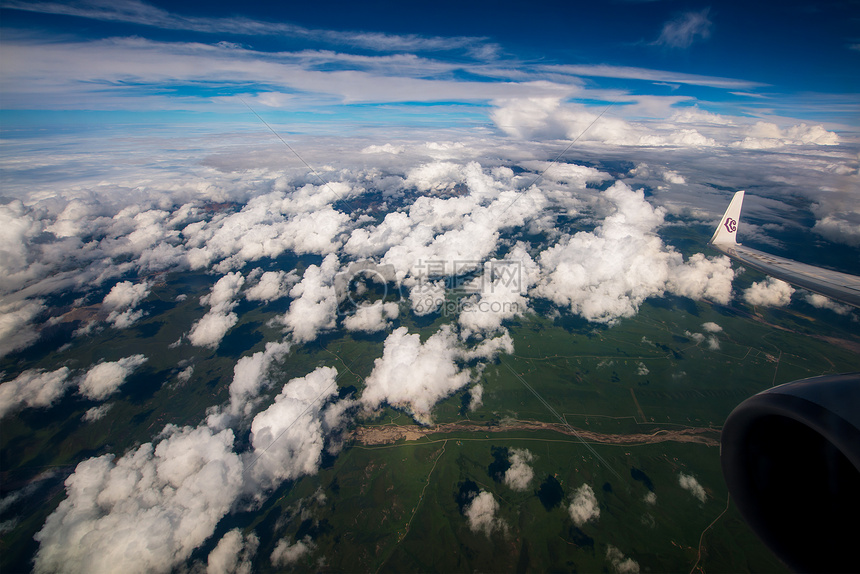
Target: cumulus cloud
{"type": "Point", "coordinates": [95, 413]}
{"type": "Point", "coordinates": [268, 225]}
{"type": "Point", "coordinates": [16, 330]}
{"type": "Point", "coordinates": [250, 376]}
{"type": "Point", "coordinates": [104, 379]}
{"type": "Point", "coordinates": [149, 509]}
{"type": "Point", "coordinates": [770, 293]}
{"type": "Point", "coordinates": [501, 293]}
{"type": "Point", "coordinates": [126, 294]}
{"type": "Point", "coordinates": [541, 118]}
{"type": "Point", "coordinates": [121, 301]}
{"type": "Point", "coordinates": [33, 388]}
{"type": "Point", "coordinates": [286, 554]}
{"type": "Point", "coordinates": [711, 327]}
{"type": "Point", "coordinates": [145, 511]}
{"type": "Point", "coordinates": [211, 328]}
{"type": "Point", "coordinates": [481, 513]}
{"type": "Point", "coordinates": [822, 302]}
{"type": "Point", "coordinates": [840, 227]}
{"type": "Point", "coordinates": [765, 135]}
{"type": "Point", "coordinates": [519, 475]}
{"type": "Point", "coordinates": [427, 297]}
{"type": "Point", "coordinates": [670, 176]}
{"type": "Point", "coordinates": [314, 307]}
{"type": "Point", "coordinates": [692, 485]}
{"type": "Point", "coordinates": [642, 369]}
{"type": "Point", "coordinates": [288, 437]}
{"type": "Point", "coordinates": [446, 236]}
{"type": "Point", "coordinates": [620, 563]}
{"type": "Point", "coordinates": [372, 318]}
{"type": "Point", "coordinates": [651, 498]}
{"type": "Point", "coordinates": [272, 285]}
{"type": "Point", "coordinates": [233, 554]}
{"type": "Point", "coordinates": [415, 376]}
{"type": "Point", "coordinates": [583, 508]}
{"type": "Point", "coordinates": [703, 277]}
{"type": "Point", "coordinates": [18, 227]}
{"type": "Point", "coordinates": [606, 274]}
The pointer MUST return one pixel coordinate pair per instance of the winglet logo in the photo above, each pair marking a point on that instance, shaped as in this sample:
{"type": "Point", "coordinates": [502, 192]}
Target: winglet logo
{"type": "Point", "coordinates": [731, 225]}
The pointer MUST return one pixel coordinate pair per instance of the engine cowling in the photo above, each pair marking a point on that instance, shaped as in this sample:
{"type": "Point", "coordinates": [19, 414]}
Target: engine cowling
{"type": "Point", "coordinates": [791, 458]}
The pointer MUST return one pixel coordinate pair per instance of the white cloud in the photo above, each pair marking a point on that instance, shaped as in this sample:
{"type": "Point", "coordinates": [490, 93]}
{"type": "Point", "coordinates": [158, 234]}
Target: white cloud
{"type": "Point", "coordinates": [620, 563]}
{"type": "Point", "coordinates": [519, 475]}
{"type": "Point", "coordinates": [270, 224]}
{"type": "Point", "coordinates": [711, 327]}
{"type": "Point", "coordinates": [211, 328]}
{"type": "Point", "coordinates": [372, 318]}
{"type": "Point", "coordinates": [501, 294]}
{"type": "Point", "coordinates": [642, 369]}
{"type": "Point", "coordinates": [651, 498]}
{"type": "Point", "coordinates": [606, 274]}
{"type": "Point", "coordinates": [143, 512]}
{"type": "Point", "coordinates": [427, 297]}
{"type": "Point", "coordinates": [184, 375]}
{"type": "Point", "coordinates": [126, 294]}
{"type": "Point", "coordinates": [713, 343]}
{"type": "Point", "coordinates": [18, 227]}
{"type": "Point", "coordinates": [286, 554]}
{"type": "Point", "coordinates": [670, 176]}
{"type": "Point", "coordinates": [840, 227]}
{"type": "Point", "coordinates": [95, 413]}
{"type": "Point", "coordinates": [272, 285]}
{"type": "Point", "coordinates": [121, 301]}
{"type": "Point", "coordinates": [16, 332]}
{"type": "Point", "coordinates": [33, 388]}
{"type": "Point", "coordinates": [583, 508]}
{"type": "Point", "coordinates": [822, 302]}
{"type": "Point", "coordinates": [415, 376]}
{"type": "Point", "coordinates": [701, 277]}
{"type": "Point", "coordinates": [386, 148]}
{"type": "Point", "coordinates": [233, 554]}
{"type": "Point", "coordinates": [550, 118]}
{"type": "Point", "coordinates": [684, 30]}
{"type": "Point", "coordinates": [481, 513]}
{"type": "Point", "coordinates": [697, 337]}
{"type": "Point", "coordinates": [771, 293]}
{"type": "Point", "coordinates": [137, 12]}
{"type": "Point", "coordinates": [250, 376]}
{"type": "Point", "coordinates": [692, 485]}
{"type": "Point", "coordinates": [765, 135]}
{"type": "Point", "coordinates": [104, 379]}
{"type": "Point", "coordinates": [314, 307]}
{"type": "Point", "coordinates": [288, 437]}
{"type": "Point", "coordinates": [476, 397]}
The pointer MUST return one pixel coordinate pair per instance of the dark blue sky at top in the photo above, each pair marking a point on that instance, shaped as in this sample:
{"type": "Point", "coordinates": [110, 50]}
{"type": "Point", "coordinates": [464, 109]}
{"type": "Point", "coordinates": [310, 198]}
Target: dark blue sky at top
{"type": "Point", "coordinates": [796, 46]}
{"type": "Point", "coordinates": [799, 59]}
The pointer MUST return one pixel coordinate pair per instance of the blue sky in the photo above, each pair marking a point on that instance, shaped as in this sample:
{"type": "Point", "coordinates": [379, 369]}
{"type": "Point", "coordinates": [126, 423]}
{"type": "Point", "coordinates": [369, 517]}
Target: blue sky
{"type": "Point", "coordinates": [782, 63]}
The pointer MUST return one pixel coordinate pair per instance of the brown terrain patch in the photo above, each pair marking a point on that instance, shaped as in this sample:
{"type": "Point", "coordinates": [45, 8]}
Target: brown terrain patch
{"type": "Point", "coordinates": [387, 434]}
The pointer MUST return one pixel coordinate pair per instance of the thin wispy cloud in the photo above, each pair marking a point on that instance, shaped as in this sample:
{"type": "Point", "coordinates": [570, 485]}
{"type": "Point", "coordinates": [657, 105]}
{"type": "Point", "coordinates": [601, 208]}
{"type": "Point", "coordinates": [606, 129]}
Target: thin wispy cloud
{"type": "Point", "coordinates": [686, 29]}
{"type": "Point", "coordinates": [141, 13]}
{"type": "Point", "coordinates": [633, 73]}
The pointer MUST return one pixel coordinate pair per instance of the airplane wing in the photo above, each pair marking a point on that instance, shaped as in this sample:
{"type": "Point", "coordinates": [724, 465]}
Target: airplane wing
{"type": "Point", "coordinates": [839, 286]}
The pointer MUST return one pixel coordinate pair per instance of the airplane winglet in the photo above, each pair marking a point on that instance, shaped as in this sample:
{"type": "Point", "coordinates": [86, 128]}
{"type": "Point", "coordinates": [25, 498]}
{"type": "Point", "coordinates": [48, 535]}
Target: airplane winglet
{"type": "Point", "coordinates": [727, 230]}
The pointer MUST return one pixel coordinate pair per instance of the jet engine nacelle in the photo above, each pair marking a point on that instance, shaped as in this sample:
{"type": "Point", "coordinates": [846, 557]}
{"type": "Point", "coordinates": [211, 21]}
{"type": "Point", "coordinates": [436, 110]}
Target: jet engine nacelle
{"type": "Point", "coordinates": [791, 459]}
